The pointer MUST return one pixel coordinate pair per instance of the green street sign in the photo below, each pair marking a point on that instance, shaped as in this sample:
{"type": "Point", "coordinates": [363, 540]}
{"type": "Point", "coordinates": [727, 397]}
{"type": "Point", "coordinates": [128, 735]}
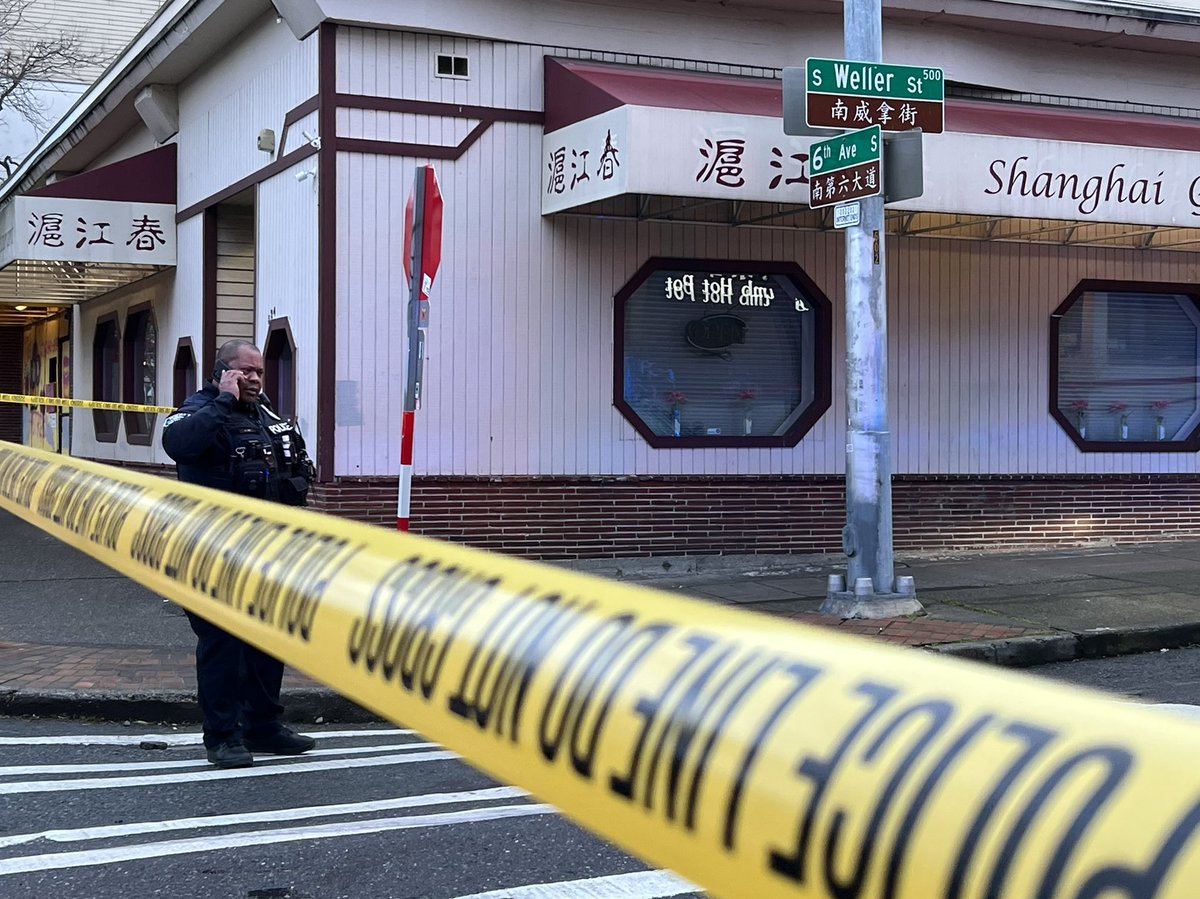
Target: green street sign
{"type": "Point", "coordinates": [842, 93]}
{"type": "Point", "coordinates": [847, 167]}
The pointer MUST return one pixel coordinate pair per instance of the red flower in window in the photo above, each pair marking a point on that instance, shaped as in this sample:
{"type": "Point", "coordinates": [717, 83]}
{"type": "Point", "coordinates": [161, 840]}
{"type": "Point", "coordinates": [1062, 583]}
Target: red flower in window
{"type": "Point", "coordinates": [746, 394]}
{"type": "Point", "coordinates": [677, 398]}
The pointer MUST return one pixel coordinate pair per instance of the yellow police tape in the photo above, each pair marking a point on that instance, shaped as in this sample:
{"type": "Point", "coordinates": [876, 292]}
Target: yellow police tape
{"type": "Point", "coordinates": [81, 404]}
{"type": "Point", "coordinates": [756, 757]}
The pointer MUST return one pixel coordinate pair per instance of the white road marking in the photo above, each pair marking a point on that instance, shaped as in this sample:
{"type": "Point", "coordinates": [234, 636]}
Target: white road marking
{"type": "Point", "coordinates": [173, 740]}
{"type": "Point", "coordinates": [639, 885]}
{"type": "Point", "coordinates": [286, 814]}
{"type": "Point", "coordinates": [111, 783]}
{"type": "Point", "coordinates": [88, 857]}
{"type": "Point", "coordinates": [111, 767]}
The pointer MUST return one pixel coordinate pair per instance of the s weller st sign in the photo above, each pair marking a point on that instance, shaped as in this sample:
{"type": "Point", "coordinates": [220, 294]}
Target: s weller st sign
{"type": "Point", "coordinates": [841, 93]}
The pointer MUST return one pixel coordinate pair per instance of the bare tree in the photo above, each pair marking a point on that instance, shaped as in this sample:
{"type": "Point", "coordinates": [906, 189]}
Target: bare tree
{"type": "Point", "coordinates": [30, 57]}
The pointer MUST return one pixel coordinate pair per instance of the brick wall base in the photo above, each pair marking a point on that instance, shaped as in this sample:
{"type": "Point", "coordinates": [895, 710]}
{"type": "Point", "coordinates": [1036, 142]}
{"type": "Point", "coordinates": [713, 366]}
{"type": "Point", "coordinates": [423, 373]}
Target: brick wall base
{"type": "Point", "coordinates": [577, 518]}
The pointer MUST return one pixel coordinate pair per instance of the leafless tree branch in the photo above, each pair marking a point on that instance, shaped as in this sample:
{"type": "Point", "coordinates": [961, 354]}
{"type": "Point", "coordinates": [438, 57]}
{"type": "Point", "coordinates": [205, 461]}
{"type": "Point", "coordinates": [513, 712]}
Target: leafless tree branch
{"type": "Point", "coordinates": [30, 57]}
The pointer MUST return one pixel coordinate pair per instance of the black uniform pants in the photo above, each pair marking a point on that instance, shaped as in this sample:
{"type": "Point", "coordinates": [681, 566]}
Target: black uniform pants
{"type": "Point", "coordinates": [237, 686]}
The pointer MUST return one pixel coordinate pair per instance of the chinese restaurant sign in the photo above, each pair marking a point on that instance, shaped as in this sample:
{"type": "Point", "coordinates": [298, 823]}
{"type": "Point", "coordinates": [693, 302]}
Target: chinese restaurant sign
{"type": "Point", "coordinates": [69, 230]}
{"type": "Point", "coordinates": [1045, 179]}
{"type": "Point", "coordinates": [673, 152]}
{"type": "Point", "coordinates": [689, 153]}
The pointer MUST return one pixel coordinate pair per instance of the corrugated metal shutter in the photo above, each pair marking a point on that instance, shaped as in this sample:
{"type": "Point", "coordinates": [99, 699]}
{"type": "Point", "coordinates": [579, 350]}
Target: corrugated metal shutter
{"type": "Point", "coordinates": [235, 273]}
{"type": "Point", "coordinates": [10, 382]}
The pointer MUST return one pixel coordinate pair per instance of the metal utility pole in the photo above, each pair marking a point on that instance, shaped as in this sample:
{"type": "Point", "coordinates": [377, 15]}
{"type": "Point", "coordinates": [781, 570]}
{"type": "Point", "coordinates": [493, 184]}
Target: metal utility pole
{"type": "Point", "coordinates": [870, 590]}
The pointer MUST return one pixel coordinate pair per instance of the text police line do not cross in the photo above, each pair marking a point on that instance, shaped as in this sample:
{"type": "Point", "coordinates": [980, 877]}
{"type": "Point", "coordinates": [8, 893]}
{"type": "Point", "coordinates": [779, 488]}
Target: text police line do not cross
{"type": "Point", "coordinates": [755, 757]}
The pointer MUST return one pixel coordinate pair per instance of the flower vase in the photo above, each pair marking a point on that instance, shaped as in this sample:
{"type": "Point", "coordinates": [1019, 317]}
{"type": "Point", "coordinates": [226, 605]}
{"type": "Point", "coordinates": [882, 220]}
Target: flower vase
{"type": "Point", "coordinates": [675, 421]}
{"type": "Point", "coordinates": [1124, 427]}
{"type": "Point", "coordinates": [1160, 429]}
{"type": "Point", "coordinates": [747, 425]}
{"type": "Point", "coordinates": [1081, 426]}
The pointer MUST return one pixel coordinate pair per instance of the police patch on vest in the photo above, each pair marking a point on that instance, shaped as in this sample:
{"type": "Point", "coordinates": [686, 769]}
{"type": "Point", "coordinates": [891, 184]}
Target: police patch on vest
{"type": "Point", "coordinates": [283, 427]}
{"type": "Point", "coordinates": [174, 418]}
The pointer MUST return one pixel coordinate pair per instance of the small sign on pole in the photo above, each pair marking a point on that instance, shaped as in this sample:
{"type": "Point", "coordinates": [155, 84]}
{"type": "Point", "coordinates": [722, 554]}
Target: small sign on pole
{"type": "Point", "coordinates": [844, 93]}
{"type": "Point", "coordinates": [848, 167]}
{"type": "Point", "coordinates": [847, 215]}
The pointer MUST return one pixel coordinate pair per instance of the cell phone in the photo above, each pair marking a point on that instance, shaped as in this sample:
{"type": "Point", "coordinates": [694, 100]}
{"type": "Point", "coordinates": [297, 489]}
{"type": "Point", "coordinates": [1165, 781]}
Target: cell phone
{"type": "Point", "coordinates": [220, 369]}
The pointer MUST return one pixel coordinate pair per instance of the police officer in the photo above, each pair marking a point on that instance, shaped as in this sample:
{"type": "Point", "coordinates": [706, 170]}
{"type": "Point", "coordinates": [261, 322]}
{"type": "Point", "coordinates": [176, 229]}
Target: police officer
{"type": "Point", "coordinates": [227, 436]}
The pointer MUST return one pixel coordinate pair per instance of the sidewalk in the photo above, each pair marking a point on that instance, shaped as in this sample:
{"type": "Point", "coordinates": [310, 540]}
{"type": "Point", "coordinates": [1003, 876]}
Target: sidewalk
{"type": "Point", "coordinates": [76, 639]}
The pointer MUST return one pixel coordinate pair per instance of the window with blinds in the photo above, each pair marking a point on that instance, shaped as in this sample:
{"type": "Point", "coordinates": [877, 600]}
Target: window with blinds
{"type": "Point", "coordinates": [722, 353]}
{"type": "Point", "coordinates": [1127, 359]}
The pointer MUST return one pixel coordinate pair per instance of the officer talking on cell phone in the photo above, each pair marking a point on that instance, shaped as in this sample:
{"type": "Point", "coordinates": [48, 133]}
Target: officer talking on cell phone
{"type": "Point", "coordinates": [227, 436]}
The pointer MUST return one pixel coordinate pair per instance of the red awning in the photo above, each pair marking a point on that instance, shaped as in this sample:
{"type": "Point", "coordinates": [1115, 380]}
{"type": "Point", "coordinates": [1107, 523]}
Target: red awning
{"type": "Point", "coordinates": [146, 178]}
{"type": "Point", "coordinates": [576, 90]}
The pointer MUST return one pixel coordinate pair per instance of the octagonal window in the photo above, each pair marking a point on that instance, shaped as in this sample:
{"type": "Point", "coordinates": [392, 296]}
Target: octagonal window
{"type": "Point", "coordinates": [722, 353]}
{"type": "Point", "coordinates": [1125, 366]}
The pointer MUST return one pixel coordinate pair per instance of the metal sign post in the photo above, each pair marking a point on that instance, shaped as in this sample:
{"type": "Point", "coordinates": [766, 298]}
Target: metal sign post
{"type": "Point", "coordinates": [871, 589]}
{"type": "Point", "coordinates": [423, 226]}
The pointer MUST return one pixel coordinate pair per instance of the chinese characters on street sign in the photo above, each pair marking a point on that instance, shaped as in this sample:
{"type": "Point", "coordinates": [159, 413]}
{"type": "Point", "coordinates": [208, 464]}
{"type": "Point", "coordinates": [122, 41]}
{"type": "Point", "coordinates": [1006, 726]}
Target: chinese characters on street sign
{"type": "Point", "coordinates": [848, 167]}
{"type": "Point", "coordinates": [846, 94]}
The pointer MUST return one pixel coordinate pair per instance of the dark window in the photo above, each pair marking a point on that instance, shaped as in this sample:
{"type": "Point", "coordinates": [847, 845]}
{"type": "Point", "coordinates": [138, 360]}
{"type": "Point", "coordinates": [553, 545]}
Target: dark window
{"type": "Point", "coordinates": [722, 353]}
{"type": "Point", "coordinates": [1125, 364]}
{"type": "Point", "coordinates": [184, 371]}
{"type": "Point", "coordinates": [452, 66]}
{"type": "Point", "coordinates": [106, 377]}
{"type": "Point", "coordinates": [141, 376]}
{"type": "Point", "coordinates": [279, 360]}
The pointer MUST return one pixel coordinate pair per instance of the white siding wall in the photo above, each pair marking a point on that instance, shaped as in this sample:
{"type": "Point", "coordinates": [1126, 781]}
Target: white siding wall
{"type": "Point", "coordinates": [519, 371]}
{"type": "Point", "coordinates": [287, 279]}
{"type": "Point", "coordinates": [223, 108]}
{"type": "Point", "coordinates": [175, 298]}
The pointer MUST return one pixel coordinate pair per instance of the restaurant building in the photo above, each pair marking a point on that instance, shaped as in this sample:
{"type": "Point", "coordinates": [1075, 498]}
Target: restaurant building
{"type": "Point", "coordinates": [637, 332]}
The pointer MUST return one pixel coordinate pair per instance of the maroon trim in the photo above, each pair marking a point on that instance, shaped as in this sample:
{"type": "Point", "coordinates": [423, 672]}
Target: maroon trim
{"type": "Point", "coordinates": [327, 252]}
{"type": "Point", "coordinates": [822, 352]}
{"type": "Point", "coordinates": [208, 297]}
{"type": "Point", "coordinates": [308, 107]}
{"type": "Point", "coordinates": [580, 89]}
{"type": "Point", "coordinates": [1190, 444]}
{"type": "Point", "coordinates": [146, 178]}
{"type": "Point", "coordinates": [106, 422]}
{"type": "Point", "coordinates": [283, 399]}
{"type": "Point", "coordinates": [426, 151]}
{"type": "Point", "coordinates": [268, 171]}
{"type": "Point", "coordinates": [139, 426]}
{"type": "Point", "coordinates": [183, 376]}
{"type": "Point", "coordinates": [486, 115]}
{"type": "Point", "coordinates": [430, 107]}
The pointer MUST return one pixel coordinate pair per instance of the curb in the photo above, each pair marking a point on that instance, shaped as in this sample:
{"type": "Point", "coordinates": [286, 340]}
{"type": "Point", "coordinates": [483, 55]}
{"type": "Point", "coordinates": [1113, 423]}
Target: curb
{"type": "Point", "coordinates": [1098, 643]}
{"type": "Point", "coordinates": [307, 704]}
{"type": "Point", "coordinates": [303, 705]}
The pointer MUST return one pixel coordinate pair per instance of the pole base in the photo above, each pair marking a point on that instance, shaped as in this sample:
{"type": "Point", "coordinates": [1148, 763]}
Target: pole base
{"type": "Point", "coordinates": [864, 602]}
{"type": "Point", "coordinates": [878, 605]}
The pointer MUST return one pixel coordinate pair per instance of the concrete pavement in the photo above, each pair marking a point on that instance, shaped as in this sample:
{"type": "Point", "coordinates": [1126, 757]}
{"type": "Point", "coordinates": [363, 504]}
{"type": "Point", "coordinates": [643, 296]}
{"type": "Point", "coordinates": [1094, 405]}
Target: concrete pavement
{"type": "Point", "coordinates": [78, 639]}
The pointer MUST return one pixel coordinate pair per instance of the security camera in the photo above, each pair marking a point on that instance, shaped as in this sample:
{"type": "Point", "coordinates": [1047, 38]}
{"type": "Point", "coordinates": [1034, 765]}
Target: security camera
{"type": "Point", "coordinates": [305, 175]}
{"type": "Point", "coordinates": [314, 142]}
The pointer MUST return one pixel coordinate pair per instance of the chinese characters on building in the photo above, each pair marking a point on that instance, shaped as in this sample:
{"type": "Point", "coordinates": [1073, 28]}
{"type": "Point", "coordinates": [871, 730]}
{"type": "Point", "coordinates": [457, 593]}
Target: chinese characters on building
{"type": "Point", "coordinates": [46, 229]}
{"type": "Point", "coordinates": [736, 163]}
{"type": "Point", "coordinates": [567, 172]}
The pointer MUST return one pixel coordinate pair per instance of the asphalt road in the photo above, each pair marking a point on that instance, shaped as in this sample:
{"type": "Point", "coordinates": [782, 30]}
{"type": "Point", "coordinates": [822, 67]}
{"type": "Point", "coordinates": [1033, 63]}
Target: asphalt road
{"type": "Point", "coordinates": [1169, 676]}
{"type": "Point", "coordinates": [105, 811]}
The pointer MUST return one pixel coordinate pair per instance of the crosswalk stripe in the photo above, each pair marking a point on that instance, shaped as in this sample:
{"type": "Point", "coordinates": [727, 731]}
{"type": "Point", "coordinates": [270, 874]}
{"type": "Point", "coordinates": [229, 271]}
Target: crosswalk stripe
{"type": "Point", "coordinates": [112, 767]}
{"type": "Point", "coordinates": [111, 783]}
{"type": "Point", "coordinates": [638, 885]}
{"type": "Point", "coordinates": [84, 858]}
{"type": "Point", "coordinates": [109, 831]}
{"type": "Point", "coordinates": [173, 740]}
